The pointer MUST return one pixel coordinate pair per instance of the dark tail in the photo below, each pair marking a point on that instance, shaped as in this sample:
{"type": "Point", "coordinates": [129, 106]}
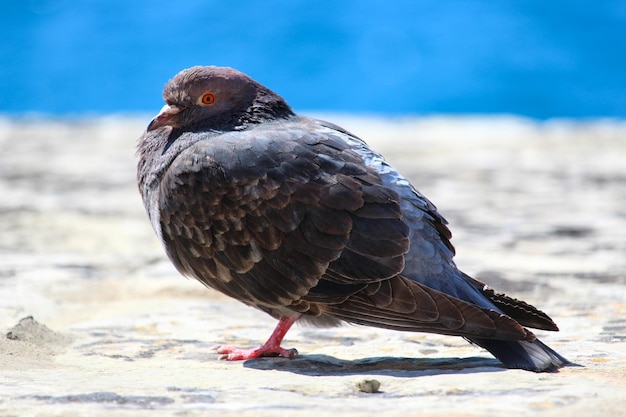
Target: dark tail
{"type": "Point", "coordinates": [531, 356]}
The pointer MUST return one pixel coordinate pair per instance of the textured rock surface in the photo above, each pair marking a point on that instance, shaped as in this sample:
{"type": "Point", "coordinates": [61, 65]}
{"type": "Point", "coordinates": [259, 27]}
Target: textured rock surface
{"type": "Point", "coordinates": [537, 210]}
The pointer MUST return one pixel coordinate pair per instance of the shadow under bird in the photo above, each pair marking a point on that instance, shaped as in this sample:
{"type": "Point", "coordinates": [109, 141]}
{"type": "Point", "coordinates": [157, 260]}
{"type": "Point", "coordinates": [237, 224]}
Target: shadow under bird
{"type": "Point", "coordinates": [301, 219]}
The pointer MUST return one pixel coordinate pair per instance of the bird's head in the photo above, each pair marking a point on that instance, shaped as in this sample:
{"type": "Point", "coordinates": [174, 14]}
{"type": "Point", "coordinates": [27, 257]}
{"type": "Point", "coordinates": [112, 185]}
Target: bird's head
{"type": "Point", "coordinates": [216, 98]}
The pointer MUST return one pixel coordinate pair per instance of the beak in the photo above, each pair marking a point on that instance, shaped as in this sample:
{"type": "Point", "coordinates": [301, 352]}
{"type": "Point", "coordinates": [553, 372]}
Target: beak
{"type": "Point", "coordinates": [163, 118]}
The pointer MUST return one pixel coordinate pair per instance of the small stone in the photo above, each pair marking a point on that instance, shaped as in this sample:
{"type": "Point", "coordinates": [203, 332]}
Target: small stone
{"type": "Point", "coordinates": [369, 386]}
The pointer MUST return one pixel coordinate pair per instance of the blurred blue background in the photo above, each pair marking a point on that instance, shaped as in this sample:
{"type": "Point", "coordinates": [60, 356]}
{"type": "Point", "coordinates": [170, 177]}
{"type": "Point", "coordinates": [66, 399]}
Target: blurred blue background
{"type": "Point", "coordinates": [542, 59]}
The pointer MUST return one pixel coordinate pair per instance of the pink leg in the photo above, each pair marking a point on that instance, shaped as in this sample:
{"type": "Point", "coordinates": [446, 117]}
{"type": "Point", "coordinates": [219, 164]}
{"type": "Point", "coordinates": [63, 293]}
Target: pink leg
{"type": "Point", "coordinates": [270, 348]}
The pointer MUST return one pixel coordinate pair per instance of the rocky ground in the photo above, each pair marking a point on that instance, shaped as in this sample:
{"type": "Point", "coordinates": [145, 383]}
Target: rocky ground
{"type": "Point", "coordinates": [538, 210]}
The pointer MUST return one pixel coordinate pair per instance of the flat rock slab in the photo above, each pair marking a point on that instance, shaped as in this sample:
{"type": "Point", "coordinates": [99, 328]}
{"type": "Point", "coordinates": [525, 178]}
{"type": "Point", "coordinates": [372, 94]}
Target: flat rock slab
{"type": "Point", "coordinates": [94, 320]}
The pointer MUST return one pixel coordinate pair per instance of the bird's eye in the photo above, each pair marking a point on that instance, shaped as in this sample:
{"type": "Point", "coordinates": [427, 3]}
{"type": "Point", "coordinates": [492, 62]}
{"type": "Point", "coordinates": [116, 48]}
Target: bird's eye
{"type": "Point", "coordinates": [207, 98]}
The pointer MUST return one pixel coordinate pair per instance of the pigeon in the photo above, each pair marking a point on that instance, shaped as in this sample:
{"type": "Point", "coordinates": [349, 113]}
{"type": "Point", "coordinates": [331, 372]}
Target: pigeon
{"type": "Point", "coordinates": [301, 219]}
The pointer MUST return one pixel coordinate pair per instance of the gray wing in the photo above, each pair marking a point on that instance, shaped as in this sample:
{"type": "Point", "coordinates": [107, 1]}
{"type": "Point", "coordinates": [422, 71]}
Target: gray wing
{"type": "Point", "coordinates": [262, 214]}
{"type": "Point", "coordinates": [292, 216]}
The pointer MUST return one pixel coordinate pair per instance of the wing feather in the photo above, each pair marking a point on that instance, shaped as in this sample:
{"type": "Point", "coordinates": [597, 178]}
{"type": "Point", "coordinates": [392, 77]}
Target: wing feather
{"type": "Point", "coordinates": [280, 217]}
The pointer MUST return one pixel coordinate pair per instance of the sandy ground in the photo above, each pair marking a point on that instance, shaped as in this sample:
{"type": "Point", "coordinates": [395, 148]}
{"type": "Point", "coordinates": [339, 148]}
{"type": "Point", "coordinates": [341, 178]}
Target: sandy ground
{"type": "Point", "coordinates": [537, 210]}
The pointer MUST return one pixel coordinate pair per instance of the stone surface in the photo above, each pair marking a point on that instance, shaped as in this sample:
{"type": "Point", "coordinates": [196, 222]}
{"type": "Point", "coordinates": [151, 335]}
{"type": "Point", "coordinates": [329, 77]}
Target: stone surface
{"type": "Point", "coordinates": [537, 210]}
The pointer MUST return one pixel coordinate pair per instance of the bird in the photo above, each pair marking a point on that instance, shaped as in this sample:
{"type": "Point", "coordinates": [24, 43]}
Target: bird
{"type": "Point", "coordinates": [302, 220]}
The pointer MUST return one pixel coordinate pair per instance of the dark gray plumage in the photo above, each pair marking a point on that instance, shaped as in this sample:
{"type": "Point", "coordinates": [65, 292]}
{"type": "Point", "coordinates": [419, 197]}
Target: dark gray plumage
{"type": "Point", "coordinates": [301, 219]}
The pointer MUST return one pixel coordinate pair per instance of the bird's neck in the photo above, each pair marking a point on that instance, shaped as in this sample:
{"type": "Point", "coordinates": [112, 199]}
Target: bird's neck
{"type": "Point", "coordinates": [266, 106]}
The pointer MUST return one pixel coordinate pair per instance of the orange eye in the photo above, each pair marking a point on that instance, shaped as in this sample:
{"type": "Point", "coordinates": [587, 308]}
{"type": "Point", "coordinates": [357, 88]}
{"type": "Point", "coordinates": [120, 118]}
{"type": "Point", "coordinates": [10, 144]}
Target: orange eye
{"type": "Point", "coordinates": [207, 98]}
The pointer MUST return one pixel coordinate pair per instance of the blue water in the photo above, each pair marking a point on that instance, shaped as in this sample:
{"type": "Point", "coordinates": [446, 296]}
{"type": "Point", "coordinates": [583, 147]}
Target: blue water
{"type": "Point", "coordinates": [542, 59]}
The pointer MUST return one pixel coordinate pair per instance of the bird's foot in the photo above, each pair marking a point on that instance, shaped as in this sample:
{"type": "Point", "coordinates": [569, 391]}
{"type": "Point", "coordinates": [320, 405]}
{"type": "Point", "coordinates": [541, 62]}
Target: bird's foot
{"type": "Point", "coordinates": [231, 353]}
{"type": "Point", "coordinates": [270, 348]}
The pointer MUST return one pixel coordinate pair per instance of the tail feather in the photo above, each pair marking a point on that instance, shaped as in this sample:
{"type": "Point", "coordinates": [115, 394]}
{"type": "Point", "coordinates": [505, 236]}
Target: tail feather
{"type": "Point", "coordinates": [529, 355]}
{"type": "Point", "coordinates": [519, 310]}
